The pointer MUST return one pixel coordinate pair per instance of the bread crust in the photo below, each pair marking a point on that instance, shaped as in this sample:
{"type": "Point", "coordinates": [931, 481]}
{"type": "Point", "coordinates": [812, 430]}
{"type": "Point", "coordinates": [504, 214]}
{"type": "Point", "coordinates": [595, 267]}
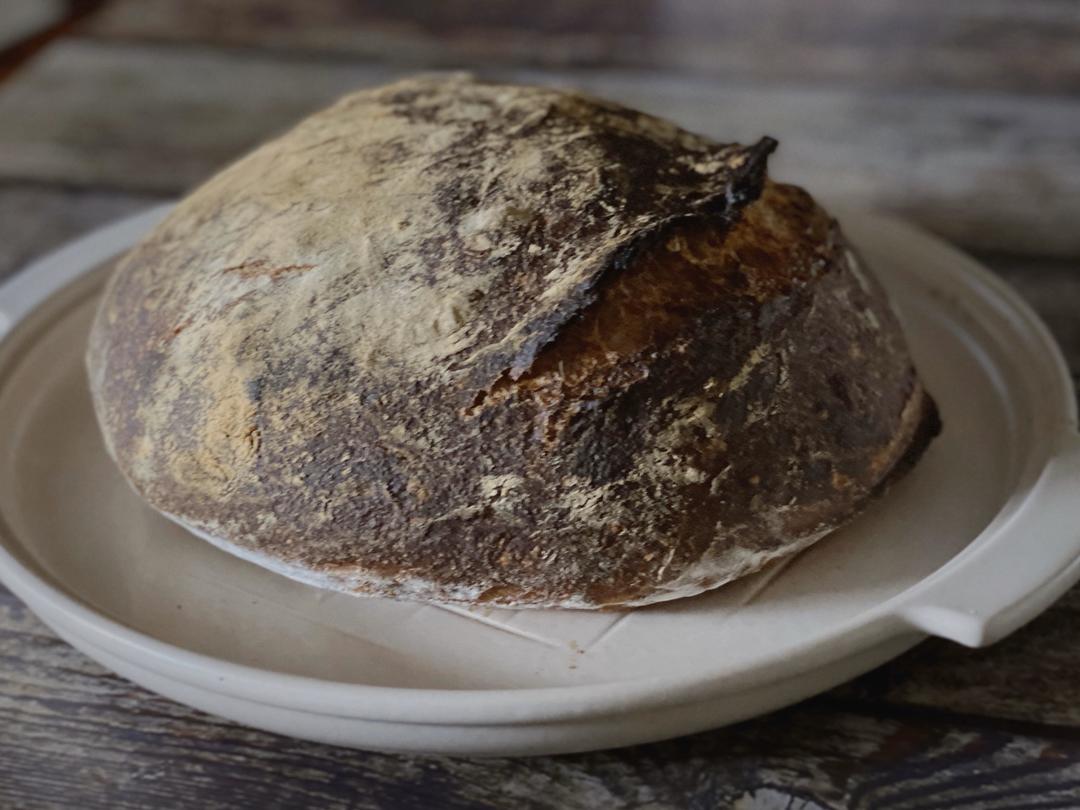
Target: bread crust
{"type": "Point", "coordinates": [478, 343]}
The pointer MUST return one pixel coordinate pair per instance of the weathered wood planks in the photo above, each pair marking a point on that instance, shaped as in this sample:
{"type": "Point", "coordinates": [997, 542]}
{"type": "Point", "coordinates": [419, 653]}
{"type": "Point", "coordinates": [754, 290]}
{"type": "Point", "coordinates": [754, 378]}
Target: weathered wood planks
{"type": "Point", "coordinates": [74, 735]}
{"type": "Point", "coordinates": [971, 44]}
{"type": "Point", "coordinates": [22, 19]}
{"type": "Point", "coordinates": [989, 171]}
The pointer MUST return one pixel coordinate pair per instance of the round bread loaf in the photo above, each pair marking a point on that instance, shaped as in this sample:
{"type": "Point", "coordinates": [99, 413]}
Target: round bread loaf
{"type": "Point", "coordinates": [467, 342]}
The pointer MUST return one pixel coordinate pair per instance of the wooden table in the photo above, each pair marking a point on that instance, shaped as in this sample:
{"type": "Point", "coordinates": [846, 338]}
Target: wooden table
{"type": "Point", "coordinates": [962, 117]}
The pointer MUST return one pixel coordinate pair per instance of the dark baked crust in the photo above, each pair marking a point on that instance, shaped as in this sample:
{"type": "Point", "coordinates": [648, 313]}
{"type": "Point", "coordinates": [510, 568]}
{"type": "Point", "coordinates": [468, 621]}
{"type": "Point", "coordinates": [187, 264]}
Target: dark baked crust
{"type": "Point", "coordinates": [568, 356]}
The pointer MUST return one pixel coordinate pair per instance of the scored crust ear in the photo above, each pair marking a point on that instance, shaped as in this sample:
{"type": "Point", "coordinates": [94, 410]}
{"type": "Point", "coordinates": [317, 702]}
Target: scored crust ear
{"type": "Point", "coordinates": [457, 341]}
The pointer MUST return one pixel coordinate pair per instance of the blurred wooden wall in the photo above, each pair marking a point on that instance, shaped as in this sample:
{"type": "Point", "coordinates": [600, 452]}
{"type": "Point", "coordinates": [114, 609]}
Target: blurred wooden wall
{"type": "Point", "coordinates": [1010, 45]}
{"type": "Point", "coordinates": [960, 115]}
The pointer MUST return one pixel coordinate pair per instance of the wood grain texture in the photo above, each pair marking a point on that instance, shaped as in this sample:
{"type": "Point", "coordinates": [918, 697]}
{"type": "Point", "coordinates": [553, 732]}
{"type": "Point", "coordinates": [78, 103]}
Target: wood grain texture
{"type": "Point", "coordinates": [28, 26]}
{"type": "Point", "coordinates": [35, 219]}
{"type": "Point", "coordinates": [990, 171]}
{"type": "Point", "coordinates": [74, 735]}
{"type": "Point", "coordinates": [1053, 290]}
{"type": "Point", "coordinates": [21, 19]}
{"type": "Point", "coordinates": [1019, 46]}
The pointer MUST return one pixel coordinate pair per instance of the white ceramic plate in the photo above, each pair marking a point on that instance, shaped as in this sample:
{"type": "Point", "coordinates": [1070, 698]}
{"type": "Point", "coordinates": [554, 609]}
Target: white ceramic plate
{"type": "Point", "coordinates": [978, 539]}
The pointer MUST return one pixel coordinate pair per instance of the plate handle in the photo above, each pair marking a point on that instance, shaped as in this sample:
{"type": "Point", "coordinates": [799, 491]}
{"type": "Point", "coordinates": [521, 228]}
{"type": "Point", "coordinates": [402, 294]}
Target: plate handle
{"type": "Point", "coordinates": [1002, 583]}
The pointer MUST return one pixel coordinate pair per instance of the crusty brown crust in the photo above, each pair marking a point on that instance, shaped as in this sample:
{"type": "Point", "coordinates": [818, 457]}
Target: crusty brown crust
{"type": "Point", "coordinates": [466, 342]}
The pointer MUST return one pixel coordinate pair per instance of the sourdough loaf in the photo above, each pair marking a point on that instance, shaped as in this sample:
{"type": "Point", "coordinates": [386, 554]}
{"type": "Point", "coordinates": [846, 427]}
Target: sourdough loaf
{"type": "Point", "coordinates": [478, 343]}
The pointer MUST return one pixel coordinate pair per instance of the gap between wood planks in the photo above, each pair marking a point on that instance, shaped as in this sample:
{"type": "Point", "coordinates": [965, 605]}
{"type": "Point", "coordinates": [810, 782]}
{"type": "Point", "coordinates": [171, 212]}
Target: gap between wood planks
{"type": "Point", "coordinates": [916, 43]}
{"type": "Point", "coordinates": [886, 708]}
{"type": "Point", "coordinates": [12, 57]}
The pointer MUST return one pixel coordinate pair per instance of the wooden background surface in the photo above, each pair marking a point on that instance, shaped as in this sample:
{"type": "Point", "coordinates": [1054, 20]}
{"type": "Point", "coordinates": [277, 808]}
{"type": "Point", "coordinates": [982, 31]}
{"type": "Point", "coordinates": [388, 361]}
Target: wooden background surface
{"type": "Point", "coordinates": [961, 116]}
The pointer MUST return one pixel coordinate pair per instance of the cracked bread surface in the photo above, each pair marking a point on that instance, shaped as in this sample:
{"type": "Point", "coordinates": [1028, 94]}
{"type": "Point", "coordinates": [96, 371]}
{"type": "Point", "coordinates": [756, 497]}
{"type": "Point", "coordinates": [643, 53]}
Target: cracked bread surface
{"type": "Point", "coordinates": [466, 342]}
